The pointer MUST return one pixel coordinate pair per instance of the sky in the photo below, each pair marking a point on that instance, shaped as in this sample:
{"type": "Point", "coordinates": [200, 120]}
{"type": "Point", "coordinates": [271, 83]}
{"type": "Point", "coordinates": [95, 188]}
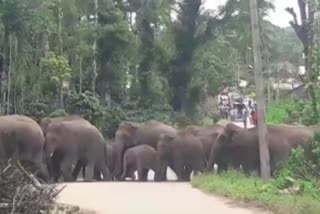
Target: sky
{"type": "Point", "coordinates": [278, 17]}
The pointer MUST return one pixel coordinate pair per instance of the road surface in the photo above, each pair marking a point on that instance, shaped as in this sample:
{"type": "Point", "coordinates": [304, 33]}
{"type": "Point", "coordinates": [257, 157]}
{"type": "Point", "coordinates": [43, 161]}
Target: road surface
{"type": "Point", "coordinates": [147, 198]}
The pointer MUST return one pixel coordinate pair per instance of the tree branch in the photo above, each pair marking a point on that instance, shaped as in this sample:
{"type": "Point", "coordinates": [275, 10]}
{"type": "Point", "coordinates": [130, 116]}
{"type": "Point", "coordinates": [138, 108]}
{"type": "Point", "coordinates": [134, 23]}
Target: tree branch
{"type": "Point", "coordinates": [293, 14]}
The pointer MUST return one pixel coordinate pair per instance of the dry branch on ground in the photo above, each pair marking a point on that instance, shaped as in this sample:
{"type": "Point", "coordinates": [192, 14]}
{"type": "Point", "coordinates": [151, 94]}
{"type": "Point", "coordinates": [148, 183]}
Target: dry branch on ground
{"type": "Point", "coordinates": [22, 193]}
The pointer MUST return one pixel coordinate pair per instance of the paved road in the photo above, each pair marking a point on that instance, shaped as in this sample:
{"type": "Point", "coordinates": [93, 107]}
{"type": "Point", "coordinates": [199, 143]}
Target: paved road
{"type": "Point", "coordinates": [147, 198]}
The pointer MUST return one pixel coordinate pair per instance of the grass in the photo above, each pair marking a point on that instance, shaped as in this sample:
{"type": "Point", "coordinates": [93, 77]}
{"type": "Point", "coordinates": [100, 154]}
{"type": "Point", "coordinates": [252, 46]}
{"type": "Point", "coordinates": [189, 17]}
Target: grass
{"type": "Point", "coordinates": [252, 190]}
{"type": "Point", "coordinates": [277, 112]}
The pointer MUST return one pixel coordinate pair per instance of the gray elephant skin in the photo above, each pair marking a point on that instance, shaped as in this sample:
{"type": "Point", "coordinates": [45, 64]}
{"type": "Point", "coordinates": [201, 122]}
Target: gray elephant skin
{"type": "Point", "coordinates": [133, 134]}
{"type": "Point", "coordinates": [208, 137]}
{"type": "Point", "coordinates": [73, 140]}
{"type": "Point", "coordinates": [237, 146]}
{"type": "Point", "coordinates": [182, 152]}
{"type": "Point", "coordinates": [141, 158]}
{"type": "Point", "coordinates": [21, 138]}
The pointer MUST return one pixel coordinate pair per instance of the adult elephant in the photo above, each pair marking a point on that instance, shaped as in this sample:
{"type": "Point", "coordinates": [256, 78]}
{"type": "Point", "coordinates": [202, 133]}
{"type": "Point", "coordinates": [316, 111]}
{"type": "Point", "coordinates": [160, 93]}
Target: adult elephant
{"type": "Point", "coordinates": [75, 140]}
{"type": "Point", "coordinates": [237, 146]}
{"type": "Point", "coordinates": [183, 152]}
{"type": "Point", "coordinates": [22, 139]}
{"type": "Point", "coordinates": [131, 134]}
{"type": "Point", "coordinates": [208, 136]}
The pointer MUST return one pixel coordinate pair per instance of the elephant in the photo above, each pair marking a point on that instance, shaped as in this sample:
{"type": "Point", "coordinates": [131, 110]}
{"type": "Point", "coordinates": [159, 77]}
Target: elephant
{"type": "Point", "coordinates": [237, 146]}
{"type": "Point", "coordinates": [183, 152]}
{"type": "Point", "coordinates": [111, 152]}
{"type": "Point", "coordinates": [141, 158]}
{"type": "Point", "coordinates": [131, 134]}
{"type": "Point", "coordinates": [73, 141]}
{"type": "Point", "coordinates": [208, 136]}
{"type": "Point", "coordinates": [21, 139]}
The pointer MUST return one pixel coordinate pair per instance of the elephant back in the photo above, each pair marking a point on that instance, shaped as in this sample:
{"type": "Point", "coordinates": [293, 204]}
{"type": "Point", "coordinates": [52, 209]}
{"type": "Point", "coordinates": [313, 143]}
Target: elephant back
{"type": "Point", "coordinates": [150, 132]}
{"type": "Point", "coordinates": [45, 122]}
{"type": "Point", "coordinates": [23, 133]}
{"type": "Point", "coordinates": [295, 135]}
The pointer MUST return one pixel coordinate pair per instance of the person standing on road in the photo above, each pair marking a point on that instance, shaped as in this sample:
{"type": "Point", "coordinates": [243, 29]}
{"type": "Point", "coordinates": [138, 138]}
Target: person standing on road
{"type": "Point", "coordinates": [244, 115]}
{"type": "Point", "coordinates": [254, 115]}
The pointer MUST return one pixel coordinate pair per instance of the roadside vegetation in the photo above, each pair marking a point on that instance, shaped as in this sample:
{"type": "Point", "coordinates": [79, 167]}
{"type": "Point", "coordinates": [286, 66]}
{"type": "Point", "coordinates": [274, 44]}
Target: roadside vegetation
{"type": "Point", "coordinates": [253, 191]}
{"type": "Point", "coordinates": [294, 188]}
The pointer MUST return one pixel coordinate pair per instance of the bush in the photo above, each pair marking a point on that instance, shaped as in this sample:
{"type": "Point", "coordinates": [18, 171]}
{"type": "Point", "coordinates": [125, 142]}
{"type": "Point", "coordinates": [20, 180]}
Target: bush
{"type": "Point", "coordinates": [301, 170]}
{"type": "Point", "coordinates": [291, 111]}
{"type": "Point", "coordinates": [58, 113]}
{"type": "Point", "coordinates": [279, 112]}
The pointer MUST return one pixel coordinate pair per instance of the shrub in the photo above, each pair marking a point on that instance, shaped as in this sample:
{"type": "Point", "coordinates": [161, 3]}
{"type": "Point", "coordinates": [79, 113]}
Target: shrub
{"type": "Point", "coordinates": [301, 170]}
{"type": "Point", "coordinates": [58, 113]}
{"type": "Point", "coordinates": [279, 112]}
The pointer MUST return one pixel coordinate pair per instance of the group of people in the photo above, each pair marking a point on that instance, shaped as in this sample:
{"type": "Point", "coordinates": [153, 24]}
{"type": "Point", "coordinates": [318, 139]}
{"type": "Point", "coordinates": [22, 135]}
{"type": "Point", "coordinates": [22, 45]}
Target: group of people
{"type": "Point", "coordinates": [242, 109]}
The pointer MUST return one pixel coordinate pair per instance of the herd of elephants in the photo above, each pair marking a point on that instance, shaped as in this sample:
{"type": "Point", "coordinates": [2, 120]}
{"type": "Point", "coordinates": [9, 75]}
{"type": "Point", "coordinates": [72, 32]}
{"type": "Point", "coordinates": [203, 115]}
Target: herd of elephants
{"type": "Point", "coordinates": [60, 148]}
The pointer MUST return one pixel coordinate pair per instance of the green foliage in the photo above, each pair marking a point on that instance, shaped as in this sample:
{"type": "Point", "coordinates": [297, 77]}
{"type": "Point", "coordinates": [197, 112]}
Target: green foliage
{"type": "Point", "coordinates": [36, 109]}
{"type": "Point", "coordinates": [294, 188]}
{"type": "Point", "coordinates": [301, 169]}
{"type": "Point", "coordinates": [57, 67]}
{"type": "Point", "coordinates": [235, 185]}
{"type": "Point", "coordinates": [291, 111]}
{"type": "Point", "coordinates": [107, 119]}
{"type": "Point", "coordinates": [279, 112]}
{"type": "Point", "coordinates": [58, 113]}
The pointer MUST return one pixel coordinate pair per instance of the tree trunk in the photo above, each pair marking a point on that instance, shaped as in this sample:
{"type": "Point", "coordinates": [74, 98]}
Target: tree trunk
{"type": "Point", "coordinates": [95, 74]}
{"type": "Point", "coordinates": [263, 143]}
{"type": "Point", "coordinates": [60, 15]}
{"type": "Point", "coordinates": [61, 95]}
{"type": "Point", "coordinates": [14, 99]}
{"type": "Point", "coordinates": [4, 71]}
{"type": "Point", "coordinates": [45, 45]}
{"type": "Point", "coordinates": [9, 74]}
{"type": "Point", "coordinates": [313, 76]}
{"type": "Point", "coordinates": [80, 77]}
{"type": "Point", "coordinates": [22, 98]}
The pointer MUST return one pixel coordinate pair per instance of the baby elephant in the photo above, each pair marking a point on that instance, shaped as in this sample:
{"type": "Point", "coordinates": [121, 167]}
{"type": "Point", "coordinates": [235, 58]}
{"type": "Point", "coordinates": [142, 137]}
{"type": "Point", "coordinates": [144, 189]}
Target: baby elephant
{"type": "Point", "coordinates": [141, 158]}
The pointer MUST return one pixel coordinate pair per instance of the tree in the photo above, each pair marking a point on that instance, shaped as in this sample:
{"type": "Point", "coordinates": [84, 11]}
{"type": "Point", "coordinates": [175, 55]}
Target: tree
{"type": "Point", "coordinates": [304, 32]}
{"type": "Point", "coordinates": [262, 130]}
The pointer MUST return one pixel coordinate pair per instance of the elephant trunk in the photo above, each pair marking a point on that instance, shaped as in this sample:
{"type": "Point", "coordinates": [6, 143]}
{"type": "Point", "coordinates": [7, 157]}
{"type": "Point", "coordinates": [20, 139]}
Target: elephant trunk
{"type": "Point", "coordinates": [124, 171]}
{"type": "Point", "coordinates": [119, 153]}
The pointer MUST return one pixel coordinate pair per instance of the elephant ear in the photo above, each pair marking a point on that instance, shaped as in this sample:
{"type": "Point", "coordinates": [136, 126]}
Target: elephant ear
{"type": "Point", "coordinates": [44, 123]}
{"type": "Point", "coordinates": [229, 131]}
{"type": "Point", "coordinates": [192, 130]}
{"type": "Point", "coordinates": [131, 126]}
{"type": "Point", "coordinates": [166, 137]}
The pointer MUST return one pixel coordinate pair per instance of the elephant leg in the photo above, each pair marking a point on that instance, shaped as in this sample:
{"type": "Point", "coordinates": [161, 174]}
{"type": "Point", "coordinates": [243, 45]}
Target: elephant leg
{"type": "Point", "coordinates": [143, 174]}
{"type": "Point", "coordinates": [222, 167]}
{"type": "Point", "coordinates": [179, 170]}
{"type": "Point", "coordinates": [187, 173]}
{"type": "Point", "coordinates": [105, 173]}
{"type": "Point", "coordinates": [101, 168]}
{"type": "Point", "coordinates": [54, 165]}
{"type": "Point", "coordinates": [161, 173]}
{"type": "Point", "coordinates": [130, 173]}
{"type": "Point", "coordinates": [66, 168]}
{"type": "Point", "coordinates": [83, 171]}
{"type": "Point", "coordinates": [89, 177]}
{"type": "Point", "coordinates": [80, 165]}
{"type": "Point", "coordinates": [97, 174]}
{"type": "Point", "coordinates": [133, 176]}
{"type": "Point", "coordinates": [43, 172]}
